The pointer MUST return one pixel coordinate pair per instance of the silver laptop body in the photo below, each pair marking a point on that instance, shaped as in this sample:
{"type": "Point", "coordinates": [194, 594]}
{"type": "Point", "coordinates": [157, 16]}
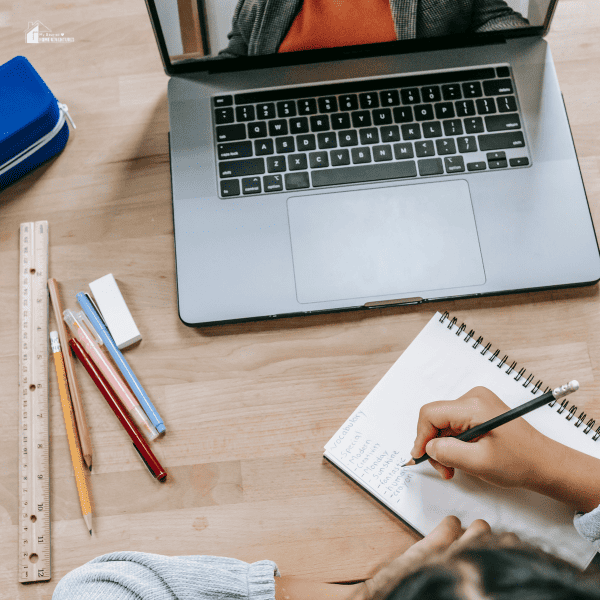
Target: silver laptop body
{"type": "Point", "coordinates": [417, 235]}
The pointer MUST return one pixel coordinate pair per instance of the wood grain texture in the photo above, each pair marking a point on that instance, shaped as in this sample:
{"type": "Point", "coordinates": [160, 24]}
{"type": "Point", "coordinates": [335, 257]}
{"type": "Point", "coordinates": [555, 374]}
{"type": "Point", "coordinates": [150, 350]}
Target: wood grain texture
{"type": "Point", "coordinates": [247, 407]}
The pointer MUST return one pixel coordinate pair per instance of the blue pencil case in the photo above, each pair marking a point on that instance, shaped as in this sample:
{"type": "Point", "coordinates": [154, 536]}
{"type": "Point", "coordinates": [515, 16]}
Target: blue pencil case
{"type": "Point", "coordinates": [33, 126]}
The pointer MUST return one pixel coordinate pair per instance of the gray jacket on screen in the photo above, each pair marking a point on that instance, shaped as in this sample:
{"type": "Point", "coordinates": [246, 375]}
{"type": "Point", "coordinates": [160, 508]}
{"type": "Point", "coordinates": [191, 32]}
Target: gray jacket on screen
{"type": "Point", "coordinates": [259, 26]}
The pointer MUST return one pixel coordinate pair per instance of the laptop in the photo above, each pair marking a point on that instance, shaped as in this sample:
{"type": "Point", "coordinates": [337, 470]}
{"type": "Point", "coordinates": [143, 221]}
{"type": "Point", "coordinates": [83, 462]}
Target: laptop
{"type": "Point", "coordinates": [422, 157]}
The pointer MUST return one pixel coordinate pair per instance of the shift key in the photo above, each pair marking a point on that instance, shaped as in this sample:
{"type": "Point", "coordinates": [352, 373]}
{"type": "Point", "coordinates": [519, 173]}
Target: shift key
{"type": "Point", "coordinates": [501, 141]}
{"type": "Point", "coordinates": [242, 168]}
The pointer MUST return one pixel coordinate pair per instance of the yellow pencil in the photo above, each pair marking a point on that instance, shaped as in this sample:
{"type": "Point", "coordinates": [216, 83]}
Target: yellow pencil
{"type": "Point", "coordinates": [67, 408]}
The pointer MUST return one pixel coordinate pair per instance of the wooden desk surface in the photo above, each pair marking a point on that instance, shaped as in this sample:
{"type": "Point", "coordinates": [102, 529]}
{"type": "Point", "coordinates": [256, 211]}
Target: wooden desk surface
{"type": "Point", "coordinates": [248, 407]}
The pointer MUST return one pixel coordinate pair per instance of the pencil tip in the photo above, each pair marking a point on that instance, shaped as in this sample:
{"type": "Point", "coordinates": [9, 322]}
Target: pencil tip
{"type": "Point", "coordinates": [90, 468]}
{"type": "Point", "coordinates": [90, 532]}
{"type": "Point", "coordinates": [409, 463]}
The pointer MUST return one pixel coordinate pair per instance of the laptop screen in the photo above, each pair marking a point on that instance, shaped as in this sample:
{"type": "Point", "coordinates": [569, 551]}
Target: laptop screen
{"type": "Point", "coordinates": [196, 32]}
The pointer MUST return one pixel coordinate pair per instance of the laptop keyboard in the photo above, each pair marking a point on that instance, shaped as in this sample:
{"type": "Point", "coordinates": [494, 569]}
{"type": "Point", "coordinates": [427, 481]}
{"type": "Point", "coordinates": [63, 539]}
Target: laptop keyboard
{"type": "Point", "coordinates": [404, 127]}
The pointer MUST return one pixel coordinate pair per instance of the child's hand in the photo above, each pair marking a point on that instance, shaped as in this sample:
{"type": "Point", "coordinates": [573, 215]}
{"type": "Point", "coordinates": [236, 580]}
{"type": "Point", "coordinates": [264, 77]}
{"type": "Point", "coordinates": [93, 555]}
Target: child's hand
{"type": "Point", "coordinates": [506, 457]}
{"type": "Point", "coordinates": [447, 537]}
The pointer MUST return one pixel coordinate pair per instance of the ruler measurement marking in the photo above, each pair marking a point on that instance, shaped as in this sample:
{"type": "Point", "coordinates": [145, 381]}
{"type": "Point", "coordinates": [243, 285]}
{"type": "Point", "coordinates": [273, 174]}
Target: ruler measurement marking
{"type": "Point", "coordinates": [34, 514]}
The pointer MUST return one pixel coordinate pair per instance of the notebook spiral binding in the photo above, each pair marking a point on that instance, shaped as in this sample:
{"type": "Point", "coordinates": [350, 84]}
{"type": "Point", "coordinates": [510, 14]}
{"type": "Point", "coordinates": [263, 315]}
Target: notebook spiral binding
{"type": "Point", "coordinates": [452, 322]}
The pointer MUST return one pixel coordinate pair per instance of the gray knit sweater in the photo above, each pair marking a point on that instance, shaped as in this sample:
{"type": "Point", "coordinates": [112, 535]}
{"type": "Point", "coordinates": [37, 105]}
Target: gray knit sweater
{"type": "Point", "coordinates": [140, 576]}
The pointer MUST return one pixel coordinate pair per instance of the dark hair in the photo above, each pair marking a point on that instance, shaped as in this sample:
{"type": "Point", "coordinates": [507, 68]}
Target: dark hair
{"type": "Point", "coordinates": [492, 568]}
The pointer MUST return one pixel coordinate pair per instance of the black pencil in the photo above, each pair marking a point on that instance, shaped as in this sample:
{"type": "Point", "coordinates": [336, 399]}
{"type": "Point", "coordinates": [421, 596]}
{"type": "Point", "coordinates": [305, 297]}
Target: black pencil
{"type": "Point", "coordinates": [515, 413]}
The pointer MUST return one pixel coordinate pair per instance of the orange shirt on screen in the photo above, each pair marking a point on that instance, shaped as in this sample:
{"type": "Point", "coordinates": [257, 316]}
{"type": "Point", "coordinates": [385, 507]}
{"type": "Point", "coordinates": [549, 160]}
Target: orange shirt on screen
{"type": "Point", "coordinates": [333, 23]}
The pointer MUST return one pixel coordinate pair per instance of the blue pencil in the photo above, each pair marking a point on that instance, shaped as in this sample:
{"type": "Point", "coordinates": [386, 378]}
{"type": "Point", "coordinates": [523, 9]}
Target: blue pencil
{"type": "Point", "coordinates": [119, 359]}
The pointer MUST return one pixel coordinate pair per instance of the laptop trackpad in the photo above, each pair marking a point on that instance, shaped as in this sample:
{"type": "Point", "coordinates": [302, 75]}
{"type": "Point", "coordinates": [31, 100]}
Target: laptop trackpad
{"type": "Point", "coordinates": [390, 241]}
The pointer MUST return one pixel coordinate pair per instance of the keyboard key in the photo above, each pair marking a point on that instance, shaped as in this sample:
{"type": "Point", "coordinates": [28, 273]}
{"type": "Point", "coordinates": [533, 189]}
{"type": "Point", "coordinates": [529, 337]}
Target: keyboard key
{"type": "Point", "coordinates": [431, 166]}
{"type": "Point", "coordinates": [485, 106]}
{"type": "Point", "coordinates": [296, 181]}
{"type": "Point", "coordinates": [297, 162]}
{"type": "Point", "coordinates": [348, 138]}
{"type": "Point", "coordinates": [230, 187]}
{"type": "Point", "coordinates": [273, 183]}
{"type": "Point", "coordinates": [318, 160]}
{"type": "Point", "coordinates": [265, 111]}
{"type": "Point", "coordinates": [503, 71]}
{"type": "Point", "coordinates": [425, 148]}
{"type": "Point", "coordinates": [497, 164]}
{"type": "Point", "coordinates": [472, 90]}
{"type": "Point", "coordinates": [521, 161]}
{"type": "Point", "coordinates": [349, 102]}
{"type": "Point", "coordinates": [497, 87]}
{"type": "Point", "coordinates": [307, 106]}
{"type": "Point", "coordinates": [222, 101]}
{"type": "Point", "coordinates": [257, 129]}
{"type": "Point", "coordinates": [368, 135]}
{"type": "Point", "coordinates": [275, 164]}
{"type": "Point", "coordinates": [340, 121]}
{"type": "Point", "coordinates": [503, 122]}
{"type": "Point", "coordinates": [244, 113]}
{"type": "Point", "coordinates": [262, 147]}
{"type": "Point", "coordinates": [251, 185]}
{"type": "Point", "coordinates": [285, 144]}
{"type": "Point", "coordinates": [445, 146]}
{"type": "Point", "coordinates": [496, 155]}
{"type": "Point", "coordinates": [299, 125]}
{"type": "Point", "coordinates": [382, 153]}
{"type": "Point", "coordinates": [477, 166]}
{"type": "Point", "coordinates": [361, 118]}
{"type": "Point", "coordinates": [431, 93]}
{"type": "Point", "coordinates": [403, 114]}
{"type": "Point", "coordinates": [389, 98]}
{"type": "Point", "coordinates": [278, 127]}
{"type": "Point", "coordinates": [306, 142]}
{"type": "Point", "coordinates": [364, 173]}
{"type": "Point", "coordinates": [369, 100]}
{"type": "Point", "coordinates": [327, 104]}
{"type": "Point", "coordinates": [410, 96]}
{"type": "Point", "coordinates": [432, 129]}
{"type": "Point", "coordinates": [224, 115]}
{"type": "Point", "coordinates": [454, 164]}
{"type": "Point", "coordinates": [286, 109]}
{"type": "Point", "coordinates": [506, 104]}
{"type": "Point", "coordinates": [230, 133]}
{"type": "Point", "coordinates": [411, 132]}
{"type": "Point", "coordinates": [327, 140]}
{"type": "Point", "coordinates": [467, 144]}
{"type": "Point", "coordinates": [452, 127]}
{"type": "Point", "coordinates": [390, 133]}
{"type": "Point", "coordinates": [403, 151]}
{"type": "Point", "coordinates": [237, 168]}
{"type": "Point", "coordinates": [339, 157]}
{"type": "Point", "coordinates": [451, 92]}
{"type": "Point", "coordinates": [465, 108]}
{"type": "Point", "coordinates": [319, 123]}
{"type": "Point", "coordinates": [474, 125]}
{"type": "Point", "coordinates": [361, 155]}
{"type": "Point", "coordinates": [444, 110]}
{"type": "Point", "coordinates": [424, 112]}
{"type": "Point", "coordinates": [382, 116]}
{"type": "Point", "coordinates": [234, 150]}
{"type": "Point", "coordinates": [498, 141]}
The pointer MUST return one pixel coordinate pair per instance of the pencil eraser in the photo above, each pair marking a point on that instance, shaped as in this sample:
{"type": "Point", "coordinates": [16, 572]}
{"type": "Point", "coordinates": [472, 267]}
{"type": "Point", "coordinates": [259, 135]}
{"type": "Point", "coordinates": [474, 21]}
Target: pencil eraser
{"type": "Point", "coordinates": [114, 311]}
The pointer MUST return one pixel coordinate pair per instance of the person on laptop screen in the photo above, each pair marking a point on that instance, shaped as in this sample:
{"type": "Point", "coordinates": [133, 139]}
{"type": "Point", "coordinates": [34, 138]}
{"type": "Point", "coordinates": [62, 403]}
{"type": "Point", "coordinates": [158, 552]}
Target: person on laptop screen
{"type": "Point", "coordinates": [271, 26]}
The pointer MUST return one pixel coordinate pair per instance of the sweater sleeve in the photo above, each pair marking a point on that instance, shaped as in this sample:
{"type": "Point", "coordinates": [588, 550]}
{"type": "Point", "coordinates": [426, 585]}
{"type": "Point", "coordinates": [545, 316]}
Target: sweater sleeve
{"type": "Point", "coordinates": [588, 526]}
{"type": "Point", "coordinates": [142, 576]}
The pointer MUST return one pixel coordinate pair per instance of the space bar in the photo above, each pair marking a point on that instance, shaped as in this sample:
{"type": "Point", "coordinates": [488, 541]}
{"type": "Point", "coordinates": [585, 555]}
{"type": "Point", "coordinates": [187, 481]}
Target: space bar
{"type": "Point", "coordinates": [395, 170]}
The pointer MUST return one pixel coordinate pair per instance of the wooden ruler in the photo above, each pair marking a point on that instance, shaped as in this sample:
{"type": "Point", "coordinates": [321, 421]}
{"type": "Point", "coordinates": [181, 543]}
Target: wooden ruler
{"type": "Point", "coordinates": [34, 450]}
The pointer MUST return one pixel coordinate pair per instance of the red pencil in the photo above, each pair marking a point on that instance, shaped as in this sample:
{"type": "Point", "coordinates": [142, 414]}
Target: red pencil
{"type": "Point", "coordinates": [139, 443]}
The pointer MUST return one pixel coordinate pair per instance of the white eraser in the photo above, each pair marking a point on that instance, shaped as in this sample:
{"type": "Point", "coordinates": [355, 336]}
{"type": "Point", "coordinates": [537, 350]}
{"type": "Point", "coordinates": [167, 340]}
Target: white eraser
{"type": "Point", "coordinates": [114, 311]}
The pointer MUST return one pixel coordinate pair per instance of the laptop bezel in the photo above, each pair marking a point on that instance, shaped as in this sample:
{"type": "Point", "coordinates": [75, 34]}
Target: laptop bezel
{"type": "Point", "coordinates": [218, 65]}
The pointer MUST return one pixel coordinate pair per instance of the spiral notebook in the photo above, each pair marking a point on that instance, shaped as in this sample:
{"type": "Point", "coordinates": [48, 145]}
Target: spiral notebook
{"type": "Point", "coordinates": [443, 362]}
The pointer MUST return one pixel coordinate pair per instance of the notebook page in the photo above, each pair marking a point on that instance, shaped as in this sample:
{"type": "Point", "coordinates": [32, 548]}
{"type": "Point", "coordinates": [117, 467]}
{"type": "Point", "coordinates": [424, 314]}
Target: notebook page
{"type": "Point", "coordinates": [377, 438]}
